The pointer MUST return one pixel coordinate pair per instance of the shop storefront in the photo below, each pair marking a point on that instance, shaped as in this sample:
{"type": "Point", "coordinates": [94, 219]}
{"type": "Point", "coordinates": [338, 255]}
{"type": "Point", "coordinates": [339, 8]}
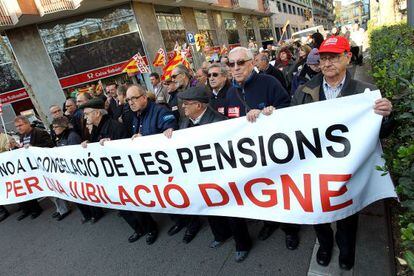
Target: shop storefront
{"type": "Point", "coordinates": [92, 47]}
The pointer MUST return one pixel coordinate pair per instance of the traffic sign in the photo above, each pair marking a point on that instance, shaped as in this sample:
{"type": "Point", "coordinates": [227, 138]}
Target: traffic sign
{"type": "Point", "coordinates": [190, 38]}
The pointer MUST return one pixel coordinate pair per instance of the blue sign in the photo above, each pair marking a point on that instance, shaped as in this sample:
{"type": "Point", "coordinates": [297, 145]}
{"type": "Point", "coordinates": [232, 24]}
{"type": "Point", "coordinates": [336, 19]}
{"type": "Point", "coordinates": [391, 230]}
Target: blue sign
{"type": "Point", "coordinates": [190, 38]}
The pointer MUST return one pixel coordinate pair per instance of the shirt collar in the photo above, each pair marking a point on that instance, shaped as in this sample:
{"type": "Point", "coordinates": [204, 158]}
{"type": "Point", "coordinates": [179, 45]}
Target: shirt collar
{"type": "Point", "coordinates": [339, 86]}
{"type": "Point", "coordinates": [198, 119]}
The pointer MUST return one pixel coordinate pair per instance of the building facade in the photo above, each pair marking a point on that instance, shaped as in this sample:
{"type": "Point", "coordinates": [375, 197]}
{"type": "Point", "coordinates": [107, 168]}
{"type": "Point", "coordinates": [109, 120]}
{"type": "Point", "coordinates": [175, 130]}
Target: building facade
{"type": "Point", "coordinates": [323, 13]}
{"type": "Point", "coordinates": [93, 40]}
{"type": "Point", "coordinates": [355, 12]}
{"type": "Point", "coordinates": [297, 12]}
{"type": "Point", "coordinates": [388, 11]}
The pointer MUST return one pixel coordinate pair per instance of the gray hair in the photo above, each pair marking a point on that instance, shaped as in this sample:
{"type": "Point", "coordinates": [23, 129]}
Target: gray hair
{"type": "Point", "coordinates": [247, 52]}
{"type": "Point", "coordinates": [139, 88]}
{"type": "Point", "coordinates": [182, 69]}
{"type": "Point", "coordinates": [22, 118]}
{"type": "Point", "coordinates": [222, 67]}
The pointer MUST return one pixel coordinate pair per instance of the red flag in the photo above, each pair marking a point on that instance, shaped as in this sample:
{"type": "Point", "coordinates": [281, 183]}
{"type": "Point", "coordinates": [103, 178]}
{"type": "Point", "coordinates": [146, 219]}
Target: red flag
{"type": "Point", "coordinates": [159, 59]}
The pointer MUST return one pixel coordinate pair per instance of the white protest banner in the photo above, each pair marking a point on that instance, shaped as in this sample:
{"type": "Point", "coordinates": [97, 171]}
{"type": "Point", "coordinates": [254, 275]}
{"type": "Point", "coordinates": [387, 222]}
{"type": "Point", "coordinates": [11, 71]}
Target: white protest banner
{"type": "Point", "coordinates": [307, 164]}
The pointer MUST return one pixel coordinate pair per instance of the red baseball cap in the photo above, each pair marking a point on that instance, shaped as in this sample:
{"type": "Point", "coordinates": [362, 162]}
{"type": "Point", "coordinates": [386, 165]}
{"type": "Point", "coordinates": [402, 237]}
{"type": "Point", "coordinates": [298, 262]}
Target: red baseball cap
{"type": "Point", "coordinates": [335, 44]}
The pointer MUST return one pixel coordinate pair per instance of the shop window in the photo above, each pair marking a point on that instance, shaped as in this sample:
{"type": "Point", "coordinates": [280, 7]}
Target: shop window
{"type": "Point", "coordinates": [265, 29]}
{"type": "Point", "coordinates": [9, 80]}
{"type": "Point", "coordinates": [231, 28]}
{"type": "Point", "coordinates": [248, 26]}
{"type": "Point", "coordinates": [203, 25]}
{"type": "Point", "coordinates": [96, 55]}
{"type": "Point", "coordinates": [170, 23]}
{"type": "Point", "coordinates": [79, 30]}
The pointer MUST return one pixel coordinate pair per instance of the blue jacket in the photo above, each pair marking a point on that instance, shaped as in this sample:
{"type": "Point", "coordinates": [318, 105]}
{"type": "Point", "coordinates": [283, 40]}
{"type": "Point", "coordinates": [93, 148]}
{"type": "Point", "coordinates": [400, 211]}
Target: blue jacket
{"type": "Point", "coordinates": [154, 119]}
{"type": "Point", "coordinates": [258, 92]}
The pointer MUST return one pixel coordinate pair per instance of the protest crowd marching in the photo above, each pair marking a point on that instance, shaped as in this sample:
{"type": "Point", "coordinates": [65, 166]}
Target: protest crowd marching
{"type": "Point", "coordinates": [242, 82]}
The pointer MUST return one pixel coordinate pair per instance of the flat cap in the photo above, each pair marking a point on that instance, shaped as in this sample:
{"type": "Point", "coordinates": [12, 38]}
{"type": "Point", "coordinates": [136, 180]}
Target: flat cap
{"type": "Point", "coordinates": [197, 93]}
{"type": "Point", "coordinates": [95, 103]}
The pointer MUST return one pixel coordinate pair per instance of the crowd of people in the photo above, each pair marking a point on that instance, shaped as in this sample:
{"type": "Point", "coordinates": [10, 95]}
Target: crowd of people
{"type": "Point", "coordinates": [242, 83]}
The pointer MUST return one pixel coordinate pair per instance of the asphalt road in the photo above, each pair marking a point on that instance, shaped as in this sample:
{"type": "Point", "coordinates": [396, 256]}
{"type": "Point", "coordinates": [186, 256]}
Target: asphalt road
{"type": "Point", "coordinates": [46, 247]}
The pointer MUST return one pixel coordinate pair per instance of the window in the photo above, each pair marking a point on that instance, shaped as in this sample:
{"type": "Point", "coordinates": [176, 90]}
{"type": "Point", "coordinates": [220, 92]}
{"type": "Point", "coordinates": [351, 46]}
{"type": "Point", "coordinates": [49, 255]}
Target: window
{"type": "Point", "coordinates": [231, 28]}
{"type": "Point", "coordinates": [248, 26]}
{"type": "Point", "coordinates": [279, 7]}
{"type": "Point", "coordinates": [294, 9]}
{"type": "Point", "coordinates": [265, 28]}
{"type": "Point", "coordinates": [92, 40]}
{"type": "Point", "coordinates": [290, 9]}
{"type": "Point", "coordinates": [170, 23]}
{"type": "Point", "coordinates": [284, 8]}
{"type": "Point", "coordinates": [203, 25]}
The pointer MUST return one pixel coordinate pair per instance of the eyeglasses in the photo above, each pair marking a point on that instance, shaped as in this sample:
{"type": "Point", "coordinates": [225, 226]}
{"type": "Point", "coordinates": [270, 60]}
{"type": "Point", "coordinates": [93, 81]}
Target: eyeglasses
{"type": "Point", "coordinates": [240, 62]}
{"type": "Point", "coordinates": [330, 58]}
{"type": "Point", "coordinates": [135, 98]}
{"type": "Point", "coordinates": [174, 76]}
{"type": "Point", "coordinates": [215, 75]}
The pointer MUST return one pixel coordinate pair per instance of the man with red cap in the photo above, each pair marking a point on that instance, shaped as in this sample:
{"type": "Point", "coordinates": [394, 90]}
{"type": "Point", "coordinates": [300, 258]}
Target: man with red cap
{"type": "Point", "coordinates": [335, 81]}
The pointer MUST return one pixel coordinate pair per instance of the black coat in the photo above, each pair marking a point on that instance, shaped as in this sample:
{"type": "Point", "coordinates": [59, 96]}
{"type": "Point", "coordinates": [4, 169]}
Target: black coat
{"type": "Point", "coordinates": [218, 102]}
{"type": "Point", "coordinates": [210, 116]}
{"type": "Point", "coordinates": [108, 128]}
{"type": "Point", "coordinates": [67, 138]}
{"type": "Point", "coordinates": [272, 71]}
{"type": "Point", "coordinates": [39, 138]}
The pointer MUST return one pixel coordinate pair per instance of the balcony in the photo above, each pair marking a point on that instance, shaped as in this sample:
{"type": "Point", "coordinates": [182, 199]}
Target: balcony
{"type": "Point", "coordinates": [52, 6]}
{"type": "Point", "coordinates": [245, 4]}
{"type": "Point", "coordinates": [9, 14]}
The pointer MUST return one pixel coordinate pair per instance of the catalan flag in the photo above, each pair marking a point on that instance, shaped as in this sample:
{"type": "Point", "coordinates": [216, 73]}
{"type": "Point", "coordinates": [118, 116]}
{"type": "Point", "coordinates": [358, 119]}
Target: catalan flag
{"type": "Point", "coordinates": [172, 63]}
{"type": "Point", "coordinates": [131, 68]}
{"type": "Point", "coordinates": [159, 59]}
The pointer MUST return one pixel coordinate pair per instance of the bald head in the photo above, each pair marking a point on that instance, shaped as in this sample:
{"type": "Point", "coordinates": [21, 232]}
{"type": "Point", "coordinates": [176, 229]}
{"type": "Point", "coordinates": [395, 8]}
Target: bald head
{"type": "Point", "coordinates": [136, 98]}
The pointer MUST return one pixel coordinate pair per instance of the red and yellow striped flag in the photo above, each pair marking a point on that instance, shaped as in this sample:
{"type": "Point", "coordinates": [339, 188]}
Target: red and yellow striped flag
{"type": "Point", "coordinates": [132, 67]}
{"type": "Point", "coordinates": [159, 59]}
{"type": "Point", "coordinates": [172, 63]}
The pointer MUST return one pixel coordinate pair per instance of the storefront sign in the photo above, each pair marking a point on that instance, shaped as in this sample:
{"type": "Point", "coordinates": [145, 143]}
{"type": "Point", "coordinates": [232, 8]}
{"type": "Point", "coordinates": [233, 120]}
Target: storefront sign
{"type": "Point", "coordinates": [14, 96]}
{"type": "Point", "coordinates": [93, 75]}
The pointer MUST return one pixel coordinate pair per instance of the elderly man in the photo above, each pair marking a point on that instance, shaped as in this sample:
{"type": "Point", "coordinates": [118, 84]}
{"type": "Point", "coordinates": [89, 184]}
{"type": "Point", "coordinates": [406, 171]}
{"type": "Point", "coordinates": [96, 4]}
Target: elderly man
{"type": "Point", "coordinates": [146, 118]}
{"type": "Point", "coordinates": [217, 78]}
{"type": "Point", "coordinates": [197, 112]}
{"type": "Point", "coordinates": [201, 76]}
{"type": "Point", "coordinates": [114, 111]}
{"type": "Point", "coordinates": [161, 94]}
{"type": "Point", "coordinates": [80, 123]}
{"type": "Point", "coordinates": [55, 112]}
{"type": "Point", "coordinates": [335, 82]}
{"type": "Point", "coordinates": [31, 136]}
{"type": "Point", "coordinates": [250, 95]}
{"type": "Point", "coordinates": [262, 63]}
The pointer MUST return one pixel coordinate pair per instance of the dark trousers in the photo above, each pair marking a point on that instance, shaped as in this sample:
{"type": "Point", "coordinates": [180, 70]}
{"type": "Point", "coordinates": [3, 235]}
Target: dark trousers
{"type": "Point", "coordinates": [89, 212]}
{"type": "Point", "coordinates": [192, 223]}
{"type": "Point", "coordinates": [288, 228]}
{"type": "Point", "coordinates": [345, 236]}
{"type": "Point", "coordinates": [30, 207]}
{"type": "Point", "coordinates": [3, 209]}
{"type": "Point", "coordinates": [225, 227]}
{"type": "Point", "coordinates": [356, 55]}
{"type": "Point", "coordinates": [139, 221]}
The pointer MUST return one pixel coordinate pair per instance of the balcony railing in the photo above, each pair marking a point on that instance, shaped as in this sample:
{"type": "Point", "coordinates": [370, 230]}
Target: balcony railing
{"type": "Point", "coordinates": [52, 6]}
{"type": "Point", "coordinates": [9, 13]}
